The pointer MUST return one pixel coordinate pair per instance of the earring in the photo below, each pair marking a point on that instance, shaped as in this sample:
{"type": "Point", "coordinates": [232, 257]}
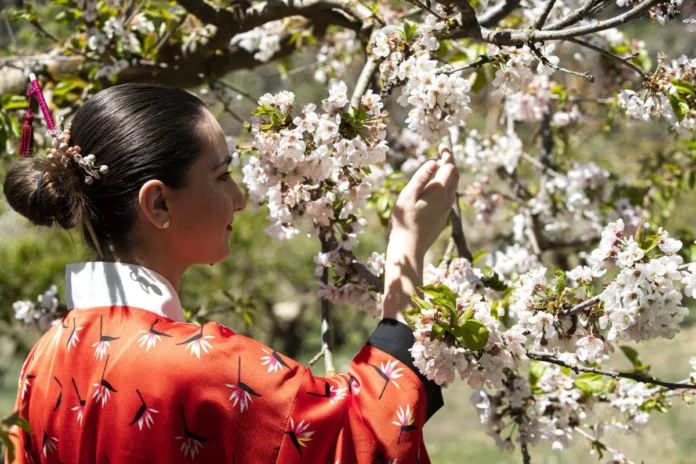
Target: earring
{"type": "Point", "coordinates": [165, 225]}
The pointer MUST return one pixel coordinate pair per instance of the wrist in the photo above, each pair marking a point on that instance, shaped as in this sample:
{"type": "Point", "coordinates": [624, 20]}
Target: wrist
{"type": "Point", "coordinates": [404, 244]}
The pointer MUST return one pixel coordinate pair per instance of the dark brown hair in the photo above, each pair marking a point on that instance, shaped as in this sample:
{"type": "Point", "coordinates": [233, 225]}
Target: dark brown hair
{"type": "Point", "coordinates": [141, 132]}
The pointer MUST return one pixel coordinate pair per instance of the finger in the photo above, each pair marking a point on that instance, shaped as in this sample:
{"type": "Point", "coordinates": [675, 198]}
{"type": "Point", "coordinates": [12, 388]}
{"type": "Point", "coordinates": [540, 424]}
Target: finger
{"type": "Point", "coordinates": [438, 189]}
{"type": "Point", "coordinates": [453, 185]}
{"type": "Point", "coordinates": [445, 176]}
{"type": "Point", "coordinates": [421, 178]}
{"type": "Point", "coordinates": [446, 156]}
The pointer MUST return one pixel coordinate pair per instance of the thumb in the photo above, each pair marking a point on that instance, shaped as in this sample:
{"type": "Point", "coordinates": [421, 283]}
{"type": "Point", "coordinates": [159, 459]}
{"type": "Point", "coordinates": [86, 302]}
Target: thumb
{"type": "Point", "coordinates": [421, 178]}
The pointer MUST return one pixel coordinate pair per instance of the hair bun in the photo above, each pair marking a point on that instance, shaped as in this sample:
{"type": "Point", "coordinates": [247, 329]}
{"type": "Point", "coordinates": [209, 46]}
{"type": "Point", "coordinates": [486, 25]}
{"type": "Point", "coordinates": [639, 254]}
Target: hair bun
{"type": "Point", "coordinates": [61, 200]}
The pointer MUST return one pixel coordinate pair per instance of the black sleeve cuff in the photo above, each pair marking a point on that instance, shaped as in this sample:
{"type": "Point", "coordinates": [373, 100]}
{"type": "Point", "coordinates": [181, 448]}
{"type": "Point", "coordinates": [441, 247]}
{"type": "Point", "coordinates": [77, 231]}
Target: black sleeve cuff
{"type": "Point", "coordinates": [395, 337]}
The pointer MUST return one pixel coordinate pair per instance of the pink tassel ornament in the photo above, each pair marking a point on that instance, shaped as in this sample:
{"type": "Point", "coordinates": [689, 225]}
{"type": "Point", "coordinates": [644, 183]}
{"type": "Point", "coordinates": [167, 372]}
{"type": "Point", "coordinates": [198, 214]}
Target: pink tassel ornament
{"type": "Point", "coordinates": [26, 141]}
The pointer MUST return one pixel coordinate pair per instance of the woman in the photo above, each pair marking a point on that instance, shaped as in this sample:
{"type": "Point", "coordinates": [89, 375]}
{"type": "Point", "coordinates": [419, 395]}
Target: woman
{"type": "Point", "coordinates": [122, 378]}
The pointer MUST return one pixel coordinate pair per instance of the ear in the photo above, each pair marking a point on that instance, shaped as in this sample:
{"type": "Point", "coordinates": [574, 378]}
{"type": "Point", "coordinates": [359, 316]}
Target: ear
{"type": "Point", "coordinates": [153, 203]}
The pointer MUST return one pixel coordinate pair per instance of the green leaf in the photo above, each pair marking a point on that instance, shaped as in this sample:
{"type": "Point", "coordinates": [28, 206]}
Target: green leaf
{"type": "Point", "coordinates": [560, 281]}
{"type": "Point", "coordinates": [592, 384]}
{"type": "Point", "coordinates": [437, 331]}
{"type": "Point", "coordinates": [494, 309]}
{"type": "Point", "coordinates": [440, 291]}
{"type": "Point", "coordinates": [639, 233]}
{"type": "Point", "coordinates": [650, 243]}
{"type": "Point", "coordinates": [13, 102]}
{"type": "Point", "coordinates": [411, 317]}
{"type": "Point", "coordinates": [684, 87]}
{"type": "Point", "coordinates": [473, 335]}
{"type": "Point", "coordinates": [561, 92]}
{"type": "Point", "coordinates": [536, 371]}
{"type": "Point", "coordinates": [679, 106]}
{"type": "Point", "coordinates": [632, 355]}
{"type": "Point", "coordinates": [566, 370]}
{"type": "Point", "coordinates": [458, 56]}
{"type": "Point", "coordinates": [248, 318]}
{"type": "Point", "coordinates": [478, 256]}
{"type": "Point", "coordinates": [421, 302]}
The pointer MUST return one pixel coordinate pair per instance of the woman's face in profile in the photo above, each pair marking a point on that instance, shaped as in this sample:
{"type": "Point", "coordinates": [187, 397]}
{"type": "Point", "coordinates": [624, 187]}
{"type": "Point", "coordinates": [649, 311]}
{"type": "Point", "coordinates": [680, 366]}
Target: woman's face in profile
{"type": "Point", "coordinates": [202, 213]}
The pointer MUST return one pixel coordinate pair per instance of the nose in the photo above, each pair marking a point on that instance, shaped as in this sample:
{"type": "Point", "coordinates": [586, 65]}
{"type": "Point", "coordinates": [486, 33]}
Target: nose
{"type": "Point", "coordinates": [238, 198]}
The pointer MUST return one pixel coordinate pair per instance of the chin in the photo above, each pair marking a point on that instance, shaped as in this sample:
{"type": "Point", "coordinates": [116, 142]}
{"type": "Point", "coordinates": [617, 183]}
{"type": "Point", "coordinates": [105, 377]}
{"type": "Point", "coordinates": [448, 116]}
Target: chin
{"type": "Point", "coordinates": [214, 258]}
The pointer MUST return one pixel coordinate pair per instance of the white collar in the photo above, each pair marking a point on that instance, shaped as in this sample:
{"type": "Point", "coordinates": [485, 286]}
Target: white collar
{"type": "Point", "coordinates": [98, 283]}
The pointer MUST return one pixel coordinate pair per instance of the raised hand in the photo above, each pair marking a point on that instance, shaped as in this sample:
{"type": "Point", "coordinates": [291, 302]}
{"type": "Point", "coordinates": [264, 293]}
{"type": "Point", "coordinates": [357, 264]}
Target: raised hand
{"type": "Point", "coordinates": [419, 215]}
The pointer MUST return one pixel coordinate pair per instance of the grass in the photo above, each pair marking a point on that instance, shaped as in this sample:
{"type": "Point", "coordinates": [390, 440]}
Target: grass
{"type": "Point", "coordinates": [455, 436]}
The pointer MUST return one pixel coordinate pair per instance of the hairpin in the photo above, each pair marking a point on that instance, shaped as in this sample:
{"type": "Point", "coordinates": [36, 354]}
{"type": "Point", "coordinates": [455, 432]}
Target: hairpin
{"type": "Point", "coordinates": [59, 150]}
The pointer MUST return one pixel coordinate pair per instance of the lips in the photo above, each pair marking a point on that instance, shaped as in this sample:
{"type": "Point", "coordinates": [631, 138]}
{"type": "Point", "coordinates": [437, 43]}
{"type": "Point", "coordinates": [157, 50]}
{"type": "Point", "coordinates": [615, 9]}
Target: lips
{"type": "Point", "coordinates": [229, 226]}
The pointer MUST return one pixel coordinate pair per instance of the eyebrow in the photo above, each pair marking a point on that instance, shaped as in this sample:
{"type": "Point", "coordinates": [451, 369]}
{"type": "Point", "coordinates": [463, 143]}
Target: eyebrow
{"type": "Point", "coordinates": [226, 161]}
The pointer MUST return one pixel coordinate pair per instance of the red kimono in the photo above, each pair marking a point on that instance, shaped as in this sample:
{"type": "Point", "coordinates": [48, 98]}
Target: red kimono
{"type": "Point", "coordinates": [122, 379]}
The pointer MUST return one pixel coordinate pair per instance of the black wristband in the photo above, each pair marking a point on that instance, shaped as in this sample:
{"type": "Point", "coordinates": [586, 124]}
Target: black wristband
{"type": "Point", "coordinates": [395, 338]}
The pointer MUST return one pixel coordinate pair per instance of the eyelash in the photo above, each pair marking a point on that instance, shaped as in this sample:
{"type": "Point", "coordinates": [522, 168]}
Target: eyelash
{"type": "Point", "coordinates": [225, 177]}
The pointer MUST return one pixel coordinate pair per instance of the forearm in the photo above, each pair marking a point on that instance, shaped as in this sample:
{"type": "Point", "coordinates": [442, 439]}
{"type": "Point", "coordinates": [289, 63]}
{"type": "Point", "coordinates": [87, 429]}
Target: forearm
{"type": "Point", "coordinates": [403, 275]}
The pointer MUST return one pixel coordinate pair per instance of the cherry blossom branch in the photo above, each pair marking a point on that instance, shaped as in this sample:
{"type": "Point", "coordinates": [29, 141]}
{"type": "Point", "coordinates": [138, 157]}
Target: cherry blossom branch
{"type": "Point", "coordinates": [428, 9]}
{"type": "Point", "coordinates": [240, 92]}
{"type": "Point", "coordinates": [325, 318]}
{"type": "Point", "coordinates": [512, 37]}
{"type": "Point", "coordinates": [575, 16]}
{"type": "Point", "coordinates": [546, 169]}
{"type": "Point", "coordinates": [548, 6]}
{"type": "Point", "coordinates": [547, 358]}
{"type": "Point", "coordinates": [475, 64]}
{"type": "Point", "coordinates": [368, 275]}
{"type": "Point", "coordinates": [582, 306]}
{"type": "Point", "coordinates": [456, 219]}
{"type": "Point", "coordinates": [611, 56]}
{"type": "Point", "coordinates": [363, 81]}
{"type": "Point", "coordinates": [526, 458]}
{"type": "Point", "coordinates": [595, 440]}
{"type": "Point", "coordinates": [548, 63]}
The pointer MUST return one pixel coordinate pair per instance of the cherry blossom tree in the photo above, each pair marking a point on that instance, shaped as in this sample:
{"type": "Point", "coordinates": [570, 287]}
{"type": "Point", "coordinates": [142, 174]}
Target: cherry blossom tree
{"type": "Point", "coordinates": [584, 265]}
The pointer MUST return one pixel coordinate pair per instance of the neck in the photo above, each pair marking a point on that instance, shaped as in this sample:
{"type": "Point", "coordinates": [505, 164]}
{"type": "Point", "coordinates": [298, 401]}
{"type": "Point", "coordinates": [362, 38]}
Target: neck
{"type": "Point", "coordinates": [156, 259]}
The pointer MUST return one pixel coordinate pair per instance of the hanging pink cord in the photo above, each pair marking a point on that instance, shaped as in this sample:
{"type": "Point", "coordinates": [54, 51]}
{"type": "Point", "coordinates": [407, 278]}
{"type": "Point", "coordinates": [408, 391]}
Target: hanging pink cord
{"type": "Point", "coordinates": [38, 94]}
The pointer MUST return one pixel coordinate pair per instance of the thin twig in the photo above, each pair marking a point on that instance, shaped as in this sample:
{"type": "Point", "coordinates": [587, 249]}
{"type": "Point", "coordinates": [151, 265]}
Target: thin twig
{"type": "Point", "coordinates": [169, 33]}
{"type": "Point", "coordinates": [610, 55]}
{"type": "Point", "coordinates": [475, 64]}
{"type": "Point", "coordinates": [304, 67]}
{"type": "Point", "coordinates": [548, 63]}
{"type": "Point", "coordinates": [426, 8]}
{"type": "Point", "coordinates": [447, 258]}
{"type": "Point", "coordinates": [548, 6]}
{"type": "Point", "coordinates": [456, 219]}
{"type": "Point", "coordinates": [595, 440]}
{"type": "Point", "coordinates": [573, 17]}
{"type": "Point", "coordinates": [531, 232]}
{"type": "Point", "coordinates": [240, 92]}
{"type": "Point", "coordinates": [135, 13]}
{"type": "Point", "coordinates": [513, 37]}
{"type": "Point", "coordinates": [547, 358]}
{"type": "Point", "coordinates": [366, 274]}
{"type": "Point", "coordinates": [540, 165]}
{"type": "Point", "coordinates": [318, 356]}
{"type": "Point", "coordinates": [363, 81]}
{"type": "Point", "coordinates": [325, 318]}
{"type": "Point", "coordinates": [582, 306]}
{"type": "Point", "coordinates": [526, 458]}
{"type": "Point", "coordinates": [411, 12]}
{"type": "Point", "coordinates": [9, 30]}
